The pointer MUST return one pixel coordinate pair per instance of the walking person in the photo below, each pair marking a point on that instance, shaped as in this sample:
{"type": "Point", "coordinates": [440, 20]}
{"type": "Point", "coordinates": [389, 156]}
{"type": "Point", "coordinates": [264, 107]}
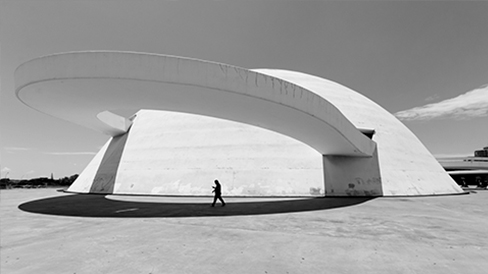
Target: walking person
{"type": "Point", "coordinates": [218, 193]}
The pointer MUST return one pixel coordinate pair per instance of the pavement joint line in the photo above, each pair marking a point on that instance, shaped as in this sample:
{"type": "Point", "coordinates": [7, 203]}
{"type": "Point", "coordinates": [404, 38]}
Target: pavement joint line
{"type": "Point", "coordinates": [126, 210]}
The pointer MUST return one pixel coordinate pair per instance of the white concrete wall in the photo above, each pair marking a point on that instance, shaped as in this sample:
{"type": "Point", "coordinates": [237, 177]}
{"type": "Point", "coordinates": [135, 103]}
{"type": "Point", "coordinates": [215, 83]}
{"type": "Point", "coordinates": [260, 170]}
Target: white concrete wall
{"type": "Point", "coordinates": [406, 166]}
{"type": "Point", "coordinates": [85, 180]}
{"type": "Point", "coordinates": [169, 153]}
{"type": "Point", "coordinates": [352, 176]}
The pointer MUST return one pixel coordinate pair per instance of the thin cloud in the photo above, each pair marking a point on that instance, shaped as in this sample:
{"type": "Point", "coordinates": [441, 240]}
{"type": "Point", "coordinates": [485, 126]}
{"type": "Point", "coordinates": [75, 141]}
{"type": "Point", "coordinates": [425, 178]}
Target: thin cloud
{"type": "Point", "coordinates": [17, 149]}
{"type": "Point", "coordinates": [432, 98]}
{"type": "Point", "coordinates": [472, 104]}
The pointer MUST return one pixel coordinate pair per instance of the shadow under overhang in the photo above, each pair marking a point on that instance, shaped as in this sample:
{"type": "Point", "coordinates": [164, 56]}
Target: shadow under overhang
{"type": "Point", "coordinates": [99, 206]}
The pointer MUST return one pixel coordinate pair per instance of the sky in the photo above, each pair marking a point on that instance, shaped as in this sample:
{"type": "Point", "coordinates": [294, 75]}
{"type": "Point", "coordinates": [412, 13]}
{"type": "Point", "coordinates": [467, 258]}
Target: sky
{"type": "Point", "coordinates": [426, 62]}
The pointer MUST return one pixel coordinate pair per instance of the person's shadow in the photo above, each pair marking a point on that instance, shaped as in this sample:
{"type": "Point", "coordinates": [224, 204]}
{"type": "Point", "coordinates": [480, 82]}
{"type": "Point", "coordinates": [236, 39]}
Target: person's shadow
{"type": "Point", "coordinates": [92, 205]}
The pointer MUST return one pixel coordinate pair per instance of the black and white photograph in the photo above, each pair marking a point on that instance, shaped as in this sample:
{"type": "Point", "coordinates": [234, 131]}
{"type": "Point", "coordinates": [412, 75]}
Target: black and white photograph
{"type": "Point", "coordinates": [243, 136]}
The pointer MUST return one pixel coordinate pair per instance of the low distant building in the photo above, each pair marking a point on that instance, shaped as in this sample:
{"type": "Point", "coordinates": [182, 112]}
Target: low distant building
{"type": "Point", "coordinates": [468, 171]}
{"type": "Point", "coordinates": [481, 153]}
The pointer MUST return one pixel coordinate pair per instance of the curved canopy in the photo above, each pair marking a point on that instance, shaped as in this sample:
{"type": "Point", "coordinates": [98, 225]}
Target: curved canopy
{"type": "Point", "coordinates": [84, 87]}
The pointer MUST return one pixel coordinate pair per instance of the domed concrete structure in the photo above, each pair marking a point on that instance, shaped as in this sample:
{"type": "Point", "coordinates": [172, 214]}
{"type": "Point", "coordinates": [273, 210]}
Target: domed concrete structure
{"type": "Point", "coordinates": [291, 134]}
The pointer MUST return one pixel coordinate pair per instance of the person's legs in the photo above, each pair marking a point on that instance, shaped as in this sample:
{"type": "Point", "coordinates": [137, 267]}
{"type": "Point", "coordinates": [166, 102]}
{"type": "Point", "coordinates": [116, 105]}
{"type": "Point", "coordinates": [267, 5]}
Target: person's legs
{"type": "Point", "coordinates": [215, 200]}
{"type": "Point", "coordinates": [222, 200]}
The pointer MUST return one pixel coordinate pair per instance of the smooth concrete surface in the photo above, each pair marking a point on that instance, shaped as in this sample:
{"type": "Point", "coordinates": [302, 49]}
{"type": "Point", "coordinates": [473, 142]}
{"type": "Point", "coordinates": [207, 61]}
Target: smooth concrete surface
{"type": "Point", "coordinates": [402, 166]}
{"type": "Point", "coordinates": [171, 153]}
{"type": "Point", "coordinates": [45, 231]}
{"type": "Point", "coordinates": [78, 86]}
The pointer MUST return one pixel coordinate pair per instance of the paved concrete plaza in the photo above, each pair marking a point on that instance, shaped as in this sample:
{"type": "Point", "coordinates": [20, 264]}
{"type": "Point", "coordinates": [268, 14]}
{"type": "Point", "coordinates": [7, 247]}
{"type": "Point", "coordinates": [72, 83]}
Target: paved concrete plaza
{"type": "Point", "coordinates": [46, 231]}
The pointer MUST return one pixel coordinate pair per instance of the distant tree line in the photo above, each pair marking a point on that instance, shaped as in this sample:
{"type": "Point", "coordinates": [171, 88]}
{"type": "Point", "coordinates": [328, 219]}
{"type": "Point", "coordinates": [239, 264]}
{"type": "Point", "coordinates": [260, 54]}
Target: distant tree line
{"type": "Point", "coordinates": [6, 183]}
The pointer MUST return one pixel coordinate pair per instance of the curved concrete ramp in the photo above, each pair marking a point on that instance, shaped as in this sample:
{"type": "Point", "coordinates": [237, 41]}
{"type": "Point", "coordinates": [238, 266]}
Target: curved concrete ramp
{"type": "Point", "coordinates": [87, 87]}
{"type": "Point", "coordinates": [406, 166]}
{"type": "Point", "coordinates": [79, 86]}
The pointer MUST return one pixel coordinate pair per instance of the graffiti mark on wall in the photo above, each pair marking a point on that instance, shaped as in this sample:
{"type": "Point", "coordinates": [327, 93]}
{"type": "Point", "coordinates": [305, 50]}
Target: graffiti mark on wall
{"type": "Point", "coordinates": [315, 191]}
{"type": "Point", "coordinates": [368, 187]}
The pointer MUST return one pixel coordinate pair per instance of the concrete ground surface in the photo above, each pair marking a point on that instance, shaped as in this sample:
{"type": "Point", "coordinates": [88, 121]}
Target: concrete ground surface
{"type": "Point", "coordinates": [46, 231]}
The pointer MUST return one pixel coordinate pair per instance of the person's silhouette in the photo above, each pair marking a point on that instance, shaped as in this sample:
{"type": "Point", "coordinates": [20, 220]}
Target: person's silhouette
{"type": "Point", "coordinates": [218, 193]}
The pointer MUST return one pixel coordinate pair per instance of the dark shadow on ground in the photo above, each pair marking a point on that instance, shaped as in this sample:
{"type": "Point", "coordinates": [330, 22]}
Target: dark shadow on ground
{"type": "Point", "coordinates": [86, 205]}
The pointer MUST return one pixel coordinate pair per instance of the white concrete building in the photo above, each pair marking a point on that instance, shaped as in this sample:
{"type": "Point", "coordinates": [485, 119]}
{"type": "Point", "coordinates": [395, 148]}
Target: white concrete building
{"type": "Point", "coordinates": [260, 132]}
